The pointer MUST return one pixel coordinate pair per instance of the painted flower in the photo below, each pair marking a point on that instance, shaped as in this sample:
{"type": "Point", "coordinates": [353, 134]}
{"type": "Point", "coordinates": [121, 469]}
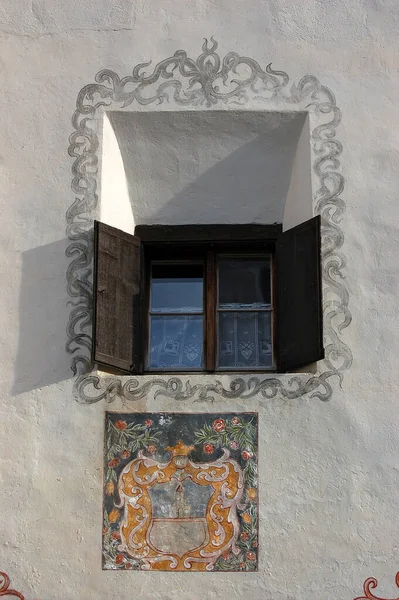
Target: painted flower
{"type": "Point", "coordinates": [255, 544]}
{"type": "Point", "coordinates": [148, 422]}
{"type": "Point", "coordinates": [244, 536]}
{"type": "Point", "coordinates": [251, 493]}
{"type": "Point", "coordinates": [116, 535]}
{"type": "Point", "coordinates": [151, 449]}
{"type": "Point", "coordinates": [246, 517]}
{"type": "Point", "coordinates": [250, 555]}
{"type": "Point", "coordinates": [121, 425]}
{"type": "Point", "coordinates": [110, 488]}
{"type": "Point", "coordinates": [119, 558]}
{"type": "Point", "coordinates": [105, 531]}
{"type": "Point", "coordinates": [208, 448]}
{"type": "Point", "coordinates": [246, 454]}
{"type": "Point", "coordinates": [125, 454]}
{"type": "Point", "coordinates": [128, 566]}
{"type": "Point", "coordinates": [226, 555]}
{"type": "Point", "coordinates": [235, 421]}
{"type": "Point", "coordinates": [113, 515]}
{"type": "Point", "coordinates": [233, 445]}
{"type": "Point", "coordinates": [114, 462]}
{"type": "Point", "coordinates": [219, 425]}
{"type": "Point", "coordinates": [242, 566]}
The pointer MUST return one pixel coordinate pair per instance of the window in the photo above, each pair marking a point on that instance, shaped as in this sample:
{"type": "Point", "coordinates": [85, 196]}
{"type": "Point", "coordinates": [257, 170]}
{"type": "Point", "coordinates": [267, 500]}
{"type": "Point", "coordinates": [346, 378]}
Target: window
{"type": "Point", "coordinates": [191, 311]}
{"type": "Point", "coordinates": [207, 298]}
{"type": "Point", "coordinates": [176, 316]}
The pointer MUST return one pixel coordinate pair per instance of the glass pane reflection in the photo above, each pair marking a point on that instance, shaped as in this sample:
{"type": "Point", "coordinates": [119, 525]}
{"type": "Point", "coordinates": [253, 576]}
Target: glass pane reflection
{"type": "Point", "coordinates": [176, 342]}
{"type": "Point", "coordinates": [244, 283]}
{"type": "Point", "coordinates": [176, 288]}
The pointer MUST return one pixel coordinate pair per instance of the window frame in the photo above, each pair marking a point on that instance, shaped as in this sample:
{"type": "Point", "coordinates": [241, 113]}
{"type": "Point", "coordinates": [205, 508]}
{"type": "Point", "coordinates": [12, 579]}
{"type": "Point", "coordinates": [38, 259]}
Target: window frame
{"type": "Point", "coordinates": [272, 311]}
{"type": "Point", "coordinates": [207, 253]}
{"type": "Point", "coordinates": [147, 309]}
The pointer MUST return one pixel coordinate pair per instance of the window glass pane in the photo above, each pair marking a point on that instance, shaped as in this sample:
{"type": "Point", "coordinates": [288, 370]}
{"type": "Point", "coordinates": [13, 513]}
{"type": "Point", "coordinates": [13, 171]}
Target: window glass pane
{"type": "Point", "coordinates": [244, 283]}
{"type": "Point", "coordinates": [244, 340]}
{"type": "Point", "coordinates": [176, 288]}
{"type": "Point", "coordinates": [176, 342]}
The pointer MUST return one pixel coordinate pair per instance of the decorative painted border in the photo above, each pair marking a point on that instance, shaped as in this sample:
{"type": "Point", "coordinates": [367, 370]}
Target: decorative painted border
{"type": "Point", "coordinates": [372, 583]}
{"type": "Point", "coordinates": [5, 587]}
{"type": "Point", "coordinates": [209, 80]}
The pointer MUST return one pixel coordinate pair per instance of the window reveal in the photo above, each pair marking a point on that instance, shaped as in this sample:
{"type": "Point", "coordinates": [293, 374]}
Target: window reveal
{"type": "Point", "coordinates": [207, 298]}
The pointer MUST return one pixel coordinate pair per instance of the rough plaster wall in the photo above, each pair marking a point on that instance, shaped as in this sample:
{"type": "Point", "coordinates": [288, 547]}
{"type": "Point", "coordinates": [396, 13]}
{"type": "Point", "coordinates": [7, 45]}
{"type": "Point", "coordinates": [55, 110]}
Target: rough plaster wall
{"type": "Point", "coordinates": [329, 472]}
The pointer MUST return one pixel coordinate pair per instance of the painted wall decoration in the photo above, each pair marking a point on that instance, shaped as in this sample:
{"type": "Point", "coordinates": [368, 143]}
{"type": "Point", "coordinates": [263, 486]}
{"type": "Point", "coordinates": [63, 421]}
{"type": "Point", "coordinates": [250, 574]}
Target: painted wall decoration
{"type": "Point", "coordinates": [212, 81]}
{"type": "Point", "coordinates": [180, 492]}
{"type": "Point", "coordinates": [370, 584]}
{"type": "Point", "coordinates": [5, 589]}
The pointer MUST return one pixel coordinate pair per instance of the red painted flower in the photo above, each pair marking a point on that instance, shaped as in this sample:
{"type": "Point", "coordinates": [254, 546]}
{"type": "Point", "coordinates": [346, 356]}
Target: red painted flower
{"type": "Point", "coordinates": [246, 454]}
{"type": "Point", "coordinates": [119, 559]}
{"type": "Point", "coordinates": [208, 448]}
{"type": "Point", "coordinates": [125, 454]}
{"type": "Point", "coordinates": [244, 536]}
{"type": "Point", "coordinates": [233, 445]}
{"type": "Point", "coordinates": [116, 535]}
{"type": "Point", "coordinates": [255, 544]}
{"type": "Point", "coordinates": [242, 566]}
{"type": "Point", "coordinates": [105, 530]}
{"type": "Point", "coordinates": [121, 425]}
{"type": "Point", "coordinates": [250, 555]}
{"type": "Point", "coordinates": [128, 566]}
{"type": "Point", "coordinates": [235, 421]}
{"type": "Point", "coordinates": [219, 425]}
{"type": "Point", "coordinates": [226, 555]}
{"type": "Point", "coordinates": [148, 422]}
{"type": "Point", "coordinates": [114, 462]}
{"type": "Point", "coordinates": [151, 449]}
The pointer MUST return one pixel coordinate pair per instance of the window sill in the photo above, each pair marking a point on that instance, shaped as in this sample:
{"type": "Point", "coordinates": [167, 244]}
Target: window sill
{"type": "Point", "coordinates": [307, 370]}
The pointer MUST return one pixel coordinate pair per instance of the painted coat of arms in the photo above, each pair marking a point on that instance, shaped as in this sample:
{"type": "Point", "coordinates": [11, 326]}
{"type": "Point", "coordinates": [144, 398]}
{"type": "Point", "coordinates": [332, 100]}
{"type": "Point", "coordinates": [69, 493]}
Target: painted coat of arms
{"type": "Point", "coordinates": [180, 492]}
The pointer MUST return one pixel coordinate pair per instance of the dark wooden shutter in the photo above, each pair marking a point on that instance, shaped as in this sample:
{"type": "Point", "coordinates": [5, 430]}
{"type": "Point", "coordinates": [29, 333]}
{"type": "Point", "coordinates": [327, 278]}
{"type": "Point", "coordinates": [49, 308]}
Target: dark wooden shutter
{"type": "Point", "coordinates": [299, 335]}
{"type": "Point", "coordinates": [116, 323]}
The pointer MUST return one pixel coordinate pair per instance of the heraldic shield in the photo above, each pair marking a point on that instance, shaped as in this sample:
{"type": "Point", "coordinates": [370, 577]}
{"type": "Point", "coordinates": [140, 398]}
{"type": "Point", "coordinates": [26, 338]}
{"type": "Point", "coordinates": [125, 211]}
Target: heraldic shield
{"type": "Point", "coordinates": [178, 513]}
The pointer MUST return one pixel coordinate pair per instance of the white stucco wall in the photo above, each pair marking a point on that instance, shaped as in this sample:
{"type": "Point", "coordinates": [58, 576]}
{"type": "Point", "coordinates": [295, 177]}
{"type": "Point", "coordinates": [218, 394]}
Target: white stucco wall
{"type": "Point", "coordinates": [328, 470]}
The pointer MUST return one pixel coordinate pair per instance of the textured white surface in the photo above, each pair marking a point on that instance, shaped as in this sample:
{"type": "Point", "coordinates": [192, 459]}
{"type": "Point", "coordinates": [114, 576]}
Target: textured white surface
{"type": "Point", "coordinates": [208, 166]}
{"type": "Point", "coordinates": [328, 472]}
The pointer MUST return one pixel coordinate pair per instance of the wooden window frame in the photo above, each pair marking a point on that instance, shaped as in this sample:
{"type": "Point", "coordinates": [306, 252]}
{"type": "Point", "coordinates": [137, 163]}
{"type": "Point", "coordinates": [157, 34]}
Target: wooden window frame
{"type": "Point", "coordinates": [207, 254]}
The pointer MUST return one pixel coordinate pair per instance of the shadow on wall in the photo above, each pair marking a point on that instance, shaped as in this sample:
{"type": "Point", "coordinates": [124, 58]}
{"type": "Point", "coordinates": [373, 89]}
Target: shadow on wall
{"type": "Point", "coordinates": [41, 357]}
{"type": "Point", "coordinates": [206, 167]}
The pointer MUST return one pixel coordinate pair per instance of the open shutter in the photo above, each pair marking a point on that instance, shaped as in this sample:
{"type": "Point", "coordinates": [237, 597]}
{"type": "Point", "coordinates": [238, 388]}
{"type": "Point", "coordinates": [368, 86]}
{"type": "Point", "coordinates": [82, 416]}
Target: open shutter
{"type": "Point", "coordinates": [299, 335]}
{"type": "Point", "coordinates": [116, 330]}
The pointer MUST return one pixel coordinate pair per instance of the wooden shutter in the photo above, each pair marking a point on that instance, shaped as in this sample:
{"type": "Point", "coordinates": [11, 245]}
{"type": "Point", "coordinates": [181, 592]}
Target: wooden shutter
{"type": "Point", "coordinates": [116, 323]}
{"type": "Point", "coordinates": [299, 335]}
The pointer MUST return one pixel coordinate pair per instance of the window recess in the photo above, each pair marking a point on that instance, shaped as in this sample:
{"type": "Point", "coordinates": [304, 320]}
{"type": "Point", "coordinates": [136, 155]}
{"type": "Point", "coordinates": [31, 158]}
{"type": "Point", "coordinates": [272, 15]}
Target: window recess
{"type": "Point", "coordinates": [236, 298]}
